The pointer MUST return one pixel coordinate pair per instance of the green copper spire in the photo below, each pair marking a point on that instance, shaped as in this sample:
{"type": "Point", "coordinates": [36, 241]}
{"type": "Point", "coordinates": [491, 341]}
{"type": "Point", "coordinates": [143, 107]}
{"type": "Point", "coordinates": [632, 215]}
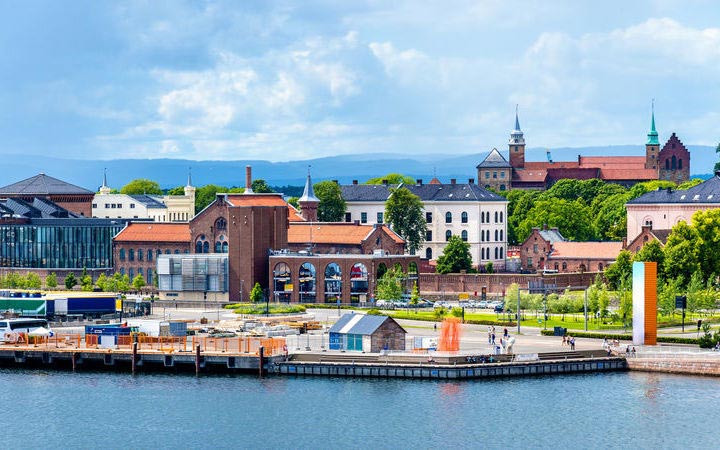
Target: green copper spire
{"type": "Point", "coordinates": [653, 135]}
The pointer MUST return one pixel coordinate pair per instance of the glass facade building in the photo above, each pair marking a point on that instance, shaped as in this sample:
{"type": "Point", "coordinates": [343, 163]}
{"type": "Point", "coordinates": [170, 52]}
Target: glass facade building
{"type": "Point", "coordinates": [199, 273]}
{"type": "Point", "coordinates": [59, 243]}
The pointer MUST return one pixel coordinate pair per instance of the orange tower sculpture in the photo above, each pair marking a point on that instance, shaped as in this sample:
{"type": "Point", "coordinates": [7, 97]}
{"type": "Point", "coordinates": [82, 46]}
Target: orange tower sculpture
{"type": "Point", "coordinates": [450, 335]}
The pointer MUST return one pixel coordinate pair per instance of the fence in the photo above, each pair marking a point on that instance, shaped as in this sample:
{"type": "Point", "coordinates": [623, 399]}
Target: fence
{"type": "Point", "coordinates": [247, 345]}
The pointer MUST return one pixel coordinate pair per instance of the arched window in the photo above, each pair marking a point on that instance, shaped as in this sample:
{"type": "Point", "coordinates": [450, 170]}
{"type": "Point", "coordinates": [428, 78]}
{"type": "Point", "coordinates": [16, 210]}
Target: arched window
{"type": "Point", "coordinates": [167, 251]}
{"type": "Point", "coordinates": [131, 255]}
{"type": "Point", "coordinates": [198, 247]}
{"type": "Point", "coordinates": [600, 267]}
{"type": "Point", "coordinates": [140, 254]}
{"type": "Point", "coordinates": [225, 247]}
{"type": "Point", "coordinates": [131, 273]}
{"type": "Point", "coordinates": [502, 253]}
{"type": "Point", "coordinates": [307, 283]}
{"type": "Point", "coordinates": [150, 255]}
{"type": "Point", "coordinates": [177, 251]}
{"type": "Point", "coordinates": [464, 217]}
{"type": "Point", "coordinates": [448, 233]}
{"type": "Point", "coordinates": [464, 235]}
{"type": "Point", "coordinates": [220, 224]}
{"type": "Point", "coordinates": [448, 217]}
{"type": "Point", "coordinates": [564, 266]}
{"type": "Point", "coordinates": [496, 217]}
{"type": "Point", "coordinates": [501, 217]}
{"type": "Point", "coordinates": [667, 164]}
{"type": "Point", "coordinates": [122, 254]}
{"type": "Point", "coordinates": [501, 235]}
{"type": "Point", "coordinates": [218, 246]}
{"type": "Point", "coordinates": [496, 253]}
{"type": "Point", "coordinates": [333, 283]}
{"type": "Point", "coordinates": [428, 253]}
{"type": "Point", "coordinates": [206, 247]}
{"type": "Point", "coordinates": [673, 163]}
{"type": "Point", "coordinates": [496, 235]}
{"type": "Point", "coordinates": [502, 187]}
{"type": "Point", "coordinates": [557, 267]}
{"type": "Point", "coordinates": [679, 163]}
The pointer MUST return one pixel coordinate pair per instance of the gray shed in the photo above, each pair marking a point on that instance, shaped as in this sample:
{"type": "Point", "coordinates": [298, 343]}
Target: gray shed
{"type": "Point", "coordinates": [360, 332]}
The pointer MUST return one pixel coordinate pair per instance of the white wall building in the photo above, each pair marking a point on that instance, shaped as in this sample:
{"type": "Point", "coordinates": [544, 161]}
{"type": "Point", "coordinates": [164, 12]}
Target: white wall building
{"type": "Point", "coordinates": [475, 214]}
{"type": "Point", "coordinates": [160, 208]}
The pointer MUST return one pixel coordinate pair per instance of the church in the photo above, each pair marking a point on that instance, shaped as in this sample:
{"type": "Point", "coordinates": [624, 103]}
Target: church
{"type": "Point", "coordinates": [671, 163]}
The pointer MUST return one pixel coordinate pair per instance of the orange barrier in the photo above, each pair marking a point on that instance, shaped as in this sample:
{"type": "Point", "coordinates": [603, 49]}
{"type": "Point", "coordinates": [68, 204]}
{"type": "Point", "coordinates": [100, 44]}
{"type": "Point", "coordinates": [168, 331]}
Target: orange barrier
{"type": "Point", "coordinates": [248, 345]}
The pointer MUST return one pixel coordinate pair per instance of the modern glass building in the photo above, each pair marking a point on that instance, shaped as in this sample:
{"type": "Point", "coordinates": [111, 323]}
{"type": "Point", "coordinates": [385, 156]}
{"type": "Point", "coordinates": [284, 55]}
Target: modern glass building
{"type": "Point", "coordinates": [201, 274]}
{"type": "Point", "coordinates": [72, 243]}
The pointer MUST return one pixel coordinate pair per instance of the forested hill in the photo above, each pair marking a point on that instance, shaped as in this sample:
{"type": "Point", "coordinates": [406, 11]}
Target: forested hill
{"type": "Point", "coordinates": [344, 168]}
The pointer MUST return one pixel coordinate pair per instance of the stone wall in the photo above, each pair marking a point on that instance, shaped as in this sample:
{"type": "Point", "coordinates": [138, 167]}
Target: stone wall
{"type": "Point", "coordinates": [497, 283]}
{"type": "Point", "coordinates": [680, 366]}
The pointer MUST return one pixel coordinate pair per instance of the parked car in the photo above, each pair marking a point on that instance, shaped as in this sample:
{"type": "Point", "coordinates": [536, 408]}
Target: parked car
{"type": "Point", "coordinates": [482, 304]}
{"type": "Point", "coordinates": [500, 307]}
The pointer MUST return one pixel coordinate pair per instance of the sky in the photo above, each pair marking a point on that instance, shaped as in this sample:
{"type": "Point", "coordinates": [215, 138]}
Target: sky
{"type": "Point", "coordinates": [282, 80]}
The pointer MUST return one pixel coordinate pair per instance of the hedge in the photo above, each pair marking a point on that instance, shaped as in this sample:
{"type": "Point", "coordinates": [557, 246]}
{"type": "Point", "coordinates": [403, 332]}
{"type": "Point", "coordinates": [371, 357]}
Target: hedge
{"type": "Point", "coordinates": [624, 337]}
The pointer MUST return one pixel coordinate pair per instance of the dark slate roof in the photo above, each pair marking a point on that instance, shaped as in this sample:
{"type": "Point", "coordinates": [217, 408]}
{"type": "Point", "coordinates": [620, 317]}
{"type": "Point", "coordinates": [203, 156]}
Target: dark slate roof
{"type": "Point", "coordinates": [552, 235]}
{"type": "Point", "coordinates": [42, 184]}
{"type": "Point", "coordinates": [148, 201]}
{"type": "Point", "coordinates": [426, 192]}
{"type": "Point", "coordinates": [363, 324]}
{"type": "Point", "coordinates": [705, 192]}
{"type": "Point", "coordinates": [40, 208]}
{"type": "Point", "coordinates": [661, 235]}
{"type": "Point", "coordinates": [494, 160]}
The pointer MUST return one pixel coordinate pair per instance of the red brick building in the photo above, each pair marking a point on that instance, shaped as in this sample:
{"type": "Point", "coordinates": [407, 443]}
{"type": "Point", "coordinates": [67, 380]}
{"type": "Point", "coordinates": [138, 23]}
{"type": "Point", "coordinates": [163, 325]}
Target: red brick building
{"type": "Point", "coordinates": [137, 246]}
{"type": "Point", "coordinates": [671, 163]}
{"type": "Point", "coordinates": [345, 238]}
{"type": "Point", "coordinates": [648, 235]}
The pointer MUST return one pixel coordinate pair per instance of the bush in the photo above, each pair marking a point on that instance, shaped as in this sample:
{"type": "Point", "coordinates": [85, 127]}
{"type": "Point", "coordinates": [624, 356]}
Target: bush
{"type": "Point", "coordinates": [457, 312]}
{"type": "Point", "coordinates": [623, 337]}
{"type": "Point", "coordinates": [375, 312]}
{"type": "Point", "coordinates": [240, 308]}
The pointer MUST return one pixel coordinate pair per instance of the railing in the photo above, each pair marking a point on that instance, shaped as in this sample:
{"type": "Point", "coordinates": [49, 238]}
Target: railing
{"type": "Point", "coordinates": [236, 345]}
{"type": "Point", "coordinates": [672, 352]}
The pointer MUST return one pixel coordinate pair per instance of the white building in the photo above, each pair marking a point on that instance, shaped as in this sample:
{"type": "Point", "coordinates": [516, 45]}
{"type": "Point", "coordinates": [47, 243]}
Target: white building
{"type": "Point", "coordinates": [160, 208]}
{"type": "Point", "coordinates": [475, 214]}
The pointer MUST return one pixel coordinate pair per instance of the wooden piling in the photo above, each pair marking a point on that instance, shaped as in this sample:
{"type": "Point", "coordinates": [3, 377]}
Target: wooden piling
{"type": "Point", "coordinates": [74, 362]}
{"type": "Point", "coordinates": [261, 354]}
{"type": "Point", "coordinates": [134, 357]}
{"type": "Point", "coordinates": [197, 359]}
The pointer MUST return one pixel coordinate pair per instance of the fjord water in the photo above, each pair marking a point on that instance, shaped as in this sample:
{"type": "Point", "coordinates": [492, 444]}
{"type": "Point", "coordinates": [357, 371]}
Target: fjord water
{"type": "Point", "coordinates": [111, 410]}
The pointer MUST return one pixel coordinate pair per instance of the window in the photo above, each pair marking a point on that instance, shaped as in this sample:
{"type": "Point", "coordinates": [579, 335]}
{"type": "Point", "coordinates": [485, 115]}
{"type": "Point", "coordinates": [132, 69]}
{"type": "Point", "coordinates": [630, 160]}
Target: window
{"type": "Point", "coordinates": [198, 247]}
{"type": "Point", "coordinates": [501, 235]}
{"type": "Point", "coordinates": [122, 254]}
{"type": "Point", "coordinates": [535, 248]}
{"type": "Point", "coordinates": [107, 205]}
{"type": "Point", "coordinates": [564, 266]}
{"type": "Point", "coordinates": [206, 247]}
{"type": "Point", "coordinates": [131, 273]}
{"type": "Point", "coordinates": [482, 217]}
{"type": "Point", "coordinates": [673, 163]}
{"type": "Point", "coordinates": [348, 217]}
{"type": "Point", "coordinates": [122, 271]}
{"type": "Point", "coordinates": [464, 217]}
{"type": "Point", "coordinates": [428, 235]}
{"type": "Point", "coordinates": [220, 224]}
{"type": "Point", "coordinates": [448, 234]}
{"type": "Point", "coordinates": [177, 252]}
{"type": "Point", "coordinates": [379, 217]}
{"type": "Point", "coordinates": [94, 205]}
{"type": "Point", "coordinates": [487, 174]}
{"type": "Point", "coordinates": [494, 174]}
{"type": "Point", "coordinates": [140, 254]}
{"type": "Point", "coordinates": [502, 252]}
{"type": "Point", "coordinates": [149, 279]}
{"type": "Point", "coordinates": [131, 255]}
{"type": "Point", "coordinates": [150, 254]}
{"type": "Point", "coordinates": [448, 217]}
{"type": "Point", "coordinates": [363, 217]}
{"type": "Point", "coordinates": [667, 164]}
{"type": "Point", "coordinates": [132, 205]}
{"type": "Point", "coordinates": [464, 235]}
{"type": "Point", "coordinates": [502, 174]}
{"type": "Point", "coordinates": [119, 205]}
{"type": "Point", "coordinates": [482, 236]}
{"type": "Point", "coordinates": [502, 187]}
{"type": "Point", "coordinates": [496, 235]}
{"type": "Point", "coordinates": [428, 217]}
{"type": "Point", "coordinates": [679, 163]}
{"type": "Point", "coordinates": [600, 267]}
{"type": "Point", "coordinates": [428, 253]}
{"type": "Point", "coordinates": [218, 246]}
{"type": "Point", "coordinates": [557, 267]}
{"type": "Point", "coordinates": [529, 262]}
{"type": "Point", "coordinates": [501, 217]}
{"type": "Point", "coordinates": [225, 247]}
{"type": "Point", "coordinates": [112, 206]}
{"type": "Point", "coordinates": [496, 217]}
{"type": "Point", "coordinates": [496, 253]}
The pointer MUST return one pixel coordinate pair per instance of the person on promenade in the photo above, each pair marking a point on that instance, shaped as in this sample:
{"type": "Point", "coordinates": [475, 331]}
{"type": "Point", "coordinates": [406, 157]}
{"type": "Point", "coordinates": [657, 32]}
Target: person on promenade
{"type": "Point", "coordinates": [505, 333]}
{"type": "Point", "coordinates": [564, 340]}
{"type": "Point", "coordinates": [493, 338]}
{"type": "Point", "coordinates": [489, 335]}
{"type": "Point", "coordinates": [633, 352]}
{"type": "Point", "coordinates": [572, 343]}
{"type": "Point", "coordinates": [605, 343]}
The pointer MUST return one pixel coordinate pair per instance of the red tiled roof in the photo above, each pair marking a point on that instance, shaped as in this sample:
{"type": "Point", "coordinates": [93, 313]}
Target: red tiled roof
{"type": "Point", "coordinates": [294, 215]}
{"type": "Point", "coordinates": [586, 250]}
{"type": "Point", "coordinates": [256, 200]}
{"type": "Point", "coordinates": [155, 232]}
{"type": "Point", "coordinates": [607, 161]}
{"type": "Point", "coordinates": [333, 233]}
{"type": "Point", "coordinates": [629, 174]}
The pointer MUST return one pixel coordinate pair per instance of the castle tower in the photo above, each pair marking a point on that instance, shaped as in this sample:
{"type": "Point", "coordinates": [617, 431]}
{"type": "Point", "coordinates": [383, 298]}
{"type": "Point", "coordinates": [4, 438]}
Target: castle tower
{"type": "Point", "coordinates": [308, 202]}
{"type": "Point", "coordinates": [105, 189]}
{"type": "Point", "coordinates": [517, 145]}
{"type": "Point", "coordinates": [652, 146]}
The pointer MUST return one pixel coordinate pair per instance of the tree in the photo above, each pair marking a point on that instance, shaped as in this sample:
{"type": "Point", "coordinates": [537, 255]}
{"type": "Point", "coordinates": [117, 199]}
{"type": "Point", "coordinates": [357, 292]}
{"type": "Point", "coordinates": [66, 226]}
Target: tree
{"type": "Point", "coordinates": [123, 284]}
{"type": "Point", "coordinates": [455, 256]}
{"type": "Point", "coordinates": [256, 294]}
{"type": "Point", "coordinates": [141, 186]}
{"type": "Point", "coordinates": [259, 186]}
{"type": "Point", "coordinates": [391, 178]}
{"type": "Point", "coordinates": [610, 217]}
{"type": "Point", "coordinates": [681, 257]}
{"type": "Point", "coordinates": [415, 295]}
{"type": "Point", "coordinates": [70, 280]}
{"type": "Point", "coordinates": [101, 282]}
{"type": "Point", "coordinates": [179, 190]}
{"type": "Point", "coordinates": [489, 267]}
{"type": "Point", "coordinates": [389, 286]}
{"type": "Point", "coordinates": [332, 205]}
{"type": "Point", "coordinates": [620, 269]}
{"type": "Point", "coordinates": [138, 282]}
{"type": "Point", "coordinates": [572, 218]}
{"type": "Point", "coordinates": [33, 281]}
{"type": "Point", "coordinates": [206, 194]}
{"type": "Point", "coordinates": [294, 202]}
{"type": "Point", "coordinates": [51, 281]}
{"type": "Point", "coordinates": [404, 213]}
{"type": "Point", "coordinates": [86, 283]}
{"type": "Point", "coordinates": [652, 252]}
{"type": "Point", "coordinates": [521, 202]}
{"type": "Point", "coordinates": [707, 226]}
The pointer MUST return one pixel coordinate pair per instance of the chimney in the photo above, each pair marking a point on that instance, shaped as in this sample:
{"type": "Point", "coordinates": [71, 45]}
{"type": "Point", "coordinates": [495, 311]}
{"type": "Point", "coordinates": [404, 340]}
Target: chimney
{"type": "Point", "coordinates": [357, 223]}
{"type": "Point", "coordinates": [453, 180]}
{"type": "Point", "coordinates": [385, 182]}
{"type": "Point", "coordinates": [471, 180]}
{"type": "Point", "coordinates": [579, 160]}
{"type": "Point", "coordinates": [248, 179]}
{"type": "Point", "coordinates": [355, 182]}
{"type": "Point", "coordinates": [545, 227]}
{"type": "Point", "coordinates": [419, 181]}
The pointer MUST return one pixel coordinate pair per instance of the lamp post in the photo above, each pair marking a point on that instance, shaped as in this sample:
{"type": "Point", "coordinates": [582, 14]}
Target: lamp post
{"type": "Point", "coordinates": [585, 309]}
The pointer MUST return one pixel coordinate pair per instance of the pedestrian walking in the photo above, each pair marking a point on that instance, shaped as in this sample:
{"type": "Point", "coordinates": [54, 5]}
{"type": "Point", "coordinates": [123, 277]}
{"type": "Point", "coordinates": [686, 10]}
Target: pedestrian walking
{"type": "Point", "coordinates": [572, 343]}
{"type": "Point", "coordinates": [505, 333]}
{"type": "Point", "coordinates": [489, 335]}
{"type": "Point", "coordinates": [493, 338]}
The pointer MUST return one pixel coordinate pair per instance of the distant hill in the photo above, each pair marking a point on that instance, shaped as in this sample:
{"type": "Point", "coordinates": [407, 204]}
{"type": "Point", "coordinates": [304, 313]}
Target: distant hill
{"type": "Point", "coordinates": [345, 168]}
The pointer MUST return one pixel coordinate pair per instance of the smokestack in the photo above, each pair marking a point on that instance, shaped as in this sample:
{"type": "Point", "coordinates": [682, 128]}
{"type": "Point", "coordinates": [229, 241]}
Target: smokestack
{"type": "Point", "coordinates": [453, 180]}
{"type": "Point", "coordinates": [248, 179]}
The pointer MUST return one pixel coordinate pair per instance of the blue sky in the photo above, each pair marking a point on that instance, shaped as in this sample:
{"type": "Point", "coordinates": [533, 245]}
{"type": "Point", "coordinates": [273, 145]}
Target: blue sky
{"type": "Point", "coordinates": [298, 80]}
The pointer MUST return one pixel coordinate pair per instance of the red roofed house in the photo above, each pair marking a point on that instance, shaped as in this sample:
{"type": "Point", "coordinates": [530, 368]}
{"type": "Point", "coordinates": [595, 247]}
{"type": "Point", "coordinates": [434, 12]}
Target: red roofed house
{"type": "Point", "coordinates": [671, 163]}
{"type": "Point", "coordinates": [345, 238]}
{"type": "Point", "coordinates": [137, 246]}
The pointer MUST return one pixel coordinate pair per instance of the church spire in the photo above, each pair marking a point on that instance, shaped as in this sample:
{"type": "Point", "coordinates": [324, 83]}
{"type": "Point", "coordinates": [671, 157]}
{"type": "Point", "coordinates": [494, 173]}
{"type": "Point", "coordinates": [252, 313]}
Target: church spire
{"type": "Point", "coordinates": [653, 134]}
{"type": "Point", "coordinates": [189, 182]}
{"type": "Point", "coordinates": [105, 189]}
{"type": "Point", "coordinates": [517, 121]}
{"type": "Point", "coordinates": [308, 202]}
{"type": "Point", "coordinates": [516, 135]}
{"type": "Point", "coordinates": [308, 193]}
